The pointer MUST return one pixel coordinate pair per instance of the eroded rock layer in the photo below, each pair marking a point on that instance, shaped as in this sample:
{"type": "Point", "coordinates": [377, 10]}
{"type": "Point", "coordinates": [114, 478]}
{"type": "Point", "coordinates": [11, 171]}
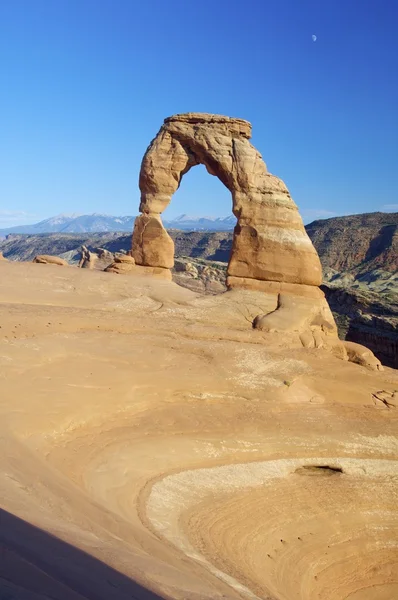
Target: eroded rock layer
{"type": "Point", "coordinates": [154, 446]}
{"type": "Point", "coordinates": [50, 260]}
{"type": "Point", "coordinates": [270, 242]}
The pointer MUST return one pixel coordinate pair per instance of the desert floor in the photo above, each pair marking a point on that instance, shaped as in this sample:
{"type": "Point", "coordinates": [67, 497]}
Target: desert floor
{"type": "Point", "coordinates": [154, 445]}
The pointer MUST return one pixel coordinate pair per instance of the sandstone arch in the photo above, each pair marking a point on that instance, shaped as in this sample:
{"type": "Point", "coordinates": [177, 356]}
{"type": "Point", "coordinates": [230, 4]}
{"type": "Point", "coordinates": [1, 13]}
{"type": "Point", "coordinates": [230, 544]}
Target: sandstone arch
{"type": "Point", "coordinates": [271, 250]}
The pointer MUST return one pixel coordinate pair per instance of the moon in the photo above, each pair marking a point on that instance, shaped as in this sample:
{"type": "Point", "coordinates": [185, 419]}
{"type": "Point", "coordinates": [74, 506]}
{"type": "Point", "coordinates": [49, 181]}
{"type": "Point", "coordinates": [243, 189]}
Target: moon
{"type": "Point", "coordinates": [314, 38]}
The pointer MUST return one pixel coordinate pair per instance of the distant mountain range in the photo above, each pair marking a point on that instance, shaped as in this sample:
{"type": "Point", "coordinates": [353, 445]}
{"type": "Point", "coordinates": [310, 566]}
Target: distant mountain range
{"type": "Point", "coordinates": [187, 222]}
{"type": "Point", "coordinates": [100, 223]}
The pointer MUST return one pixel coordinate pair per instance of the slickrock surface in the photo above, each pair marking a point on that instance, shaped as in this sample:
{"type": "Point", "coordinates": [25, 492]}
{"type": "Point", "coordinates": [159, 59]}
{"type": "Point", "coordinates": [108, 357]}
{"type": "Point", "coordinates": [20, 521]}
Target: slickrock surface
{"type": "Point", "coordinates": [155, 445]}
{"type": "Point", "coordinates": [128, 267]}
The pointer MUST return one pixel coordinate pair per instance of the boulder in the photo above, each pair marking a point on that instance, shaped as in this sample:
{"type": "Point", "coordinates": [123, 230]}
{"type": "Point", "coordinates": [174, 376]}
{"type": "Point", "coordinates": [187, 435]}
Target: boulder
{"type": "Point", "coordinates": [124, 258]}
{"type": "Point", "coordinates": [98, 259]}
{"type": "Point", "coordinates": [130, 268]}
{"type": "Point", "coordinates": [87, 258]}
{"type": "Point", "coordinates": [47, 259]}
{"type": "Point", "coordinates": [362, 356]}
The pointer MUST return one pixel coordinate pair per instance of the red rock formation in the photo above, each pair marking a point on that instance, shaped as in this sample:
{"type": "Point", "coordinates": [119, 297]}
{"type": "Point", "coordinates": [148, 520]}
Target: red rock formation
{"type": "Point", "coordinates": [270, 242]}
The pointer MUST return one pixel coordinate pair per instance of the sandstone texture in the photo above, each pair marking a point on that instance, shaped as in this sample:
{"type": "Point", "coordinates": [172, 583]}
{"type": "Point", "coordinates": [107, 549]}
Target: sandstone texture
{"type": "Point", "coordinates": [199, 275]}
{"type": "Point", "coordinates": [46, 259]}
{"type": "Point", "coordinates": [270, 242]}
{"type": "Point", "coordinates": [97, 259]}
{"type": "Point", "coordinates": [154, 446]}
{"type": "Point", "coordinates": [152, 245]}
{"type": "Point", "coordinates": [124, 258]}
{"type": "Point", "coordinates": [126, 266]}
{"type": "Point", "coordinates": [270, 247]}
{"type": "Point", "coordinates": [362, 356]}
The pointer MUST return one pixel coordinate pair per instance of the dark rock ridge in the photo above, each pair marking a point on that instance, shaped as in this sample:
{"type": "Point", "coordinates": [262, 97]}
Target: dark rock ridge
{"type": "Point", "coordinates": [26, 246]}
{"type": "Point", "coordinates": [359, 255]}
{"type": "Point", "coordinates": [357, 243]}
{"type": "Point", "coordinates": [367, 318]}
{"type": "Point", "coordinates": [208, 245]}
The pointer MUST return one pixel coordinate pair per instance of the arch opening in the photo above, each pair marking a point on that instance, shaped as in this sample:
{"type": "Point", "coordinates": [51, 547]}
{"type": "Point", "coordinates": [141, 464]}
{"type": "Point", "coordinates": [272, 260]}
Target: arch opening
{"type": "Point", "coordinates": [270, 247]}
{"type": "Point", "coordinates": [200, 195]}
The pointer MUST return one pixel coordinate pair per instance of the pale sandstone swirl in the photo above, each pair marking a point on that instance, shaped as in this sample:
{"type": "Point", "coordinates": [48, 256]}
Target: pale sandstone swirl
{"type": "Point", "coordinates": [283, 529]}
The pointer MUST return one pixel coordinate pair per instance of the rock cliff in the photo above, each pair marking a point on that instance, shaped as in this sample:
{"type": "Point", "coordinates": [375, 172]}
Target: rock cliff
{"type": "Point", "coordinates": [357, 244]}
{"type": "Point", "coordinates": [367, 318]}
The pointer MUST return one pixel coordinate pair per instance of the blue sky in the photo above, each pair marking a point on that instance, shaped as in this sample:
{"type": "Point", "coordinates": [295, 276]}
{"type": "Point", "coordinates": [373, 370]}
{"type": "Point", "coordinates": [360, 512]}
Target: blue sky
{"type": "Point", "coordinates": [86, 85]}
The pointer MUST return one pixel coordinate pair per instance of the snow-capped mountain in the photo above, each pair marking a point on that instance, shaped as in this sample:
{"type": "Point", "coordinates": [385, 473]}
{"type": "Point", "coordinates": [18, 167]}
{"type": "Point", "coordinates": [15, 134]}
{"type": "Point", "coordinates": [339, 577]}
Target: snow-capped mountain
{"type": "Point", "coordinates": [78, 223]}
{"type": "Point", "coordinates": [75, 223]}
{"type": "Point", "coordinates": [186, 222]}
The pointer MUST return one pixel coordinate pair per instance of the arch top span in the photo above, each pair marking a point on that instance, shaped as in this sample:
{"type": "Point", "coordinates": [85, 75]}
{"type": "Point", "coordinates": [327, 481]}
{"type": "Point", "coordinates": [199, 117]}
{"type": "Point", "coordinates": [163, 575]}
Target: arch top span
{"type": "Point", "coordinates": [270, 243]}
{"type": "Point", "coordinates": [232, 124]}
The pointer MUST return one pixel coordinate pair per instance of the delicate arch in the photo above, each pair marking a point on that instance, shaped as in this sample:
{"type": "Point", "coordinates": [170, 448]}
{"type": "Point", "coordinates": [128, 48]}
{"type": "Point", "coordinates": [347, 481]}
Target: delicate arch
{"type": "Point", "coordinates": [270, 243]}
